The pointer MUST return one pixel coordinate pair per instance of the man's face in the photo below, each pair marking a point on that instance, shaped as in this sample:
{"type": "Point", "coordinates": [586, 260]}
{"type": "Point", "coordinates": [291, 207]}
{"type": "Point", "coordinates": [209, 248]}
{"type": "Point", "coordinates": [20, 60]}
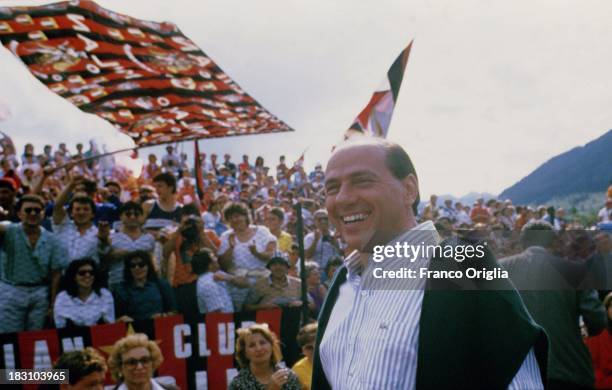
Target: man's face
{"type": "Point", "coordinates": [163, 190]}
{"type": "Point", "coordinates": [131, 218]}
{"type": "Point", "coordinates": [244, 196]}
{"type": "Point", "coordinates": [322, 222]}
{"type": "Point", "coordinates": [273, 222]}
{"type": "Point", "coordinates": [238, 222]}
{"type": "Point", "coordinates": [82, 214]}
{"type": "Point", "coordinates": [31, 213]}
{"type": "Point", "coordinates": [257, 203]}
{"type": "Point", "coordinates": [114, 190]}
{"type": "Point", "coordinates": [365, 202]}
{"type": "Point", "coordinates": [7, 196]}
{"type": "Point", "coordinates": [278, 270]}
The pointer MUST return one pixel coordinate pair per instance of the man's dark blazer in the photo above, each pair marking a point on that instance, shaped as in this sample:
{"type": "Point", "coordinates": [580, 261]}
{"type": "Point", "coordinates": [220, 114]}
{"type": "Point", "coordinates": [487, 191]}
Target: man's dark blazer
{"type": "Point", "coordinates": [471, 336]}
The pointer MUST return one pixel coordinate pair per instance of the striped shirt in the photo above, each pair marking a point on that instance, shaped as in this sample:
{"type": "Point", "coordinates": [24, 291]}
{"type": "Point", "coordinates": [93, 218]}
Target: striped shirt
{"type": "Point", "coordinates": [20, 263]}
{"type": "Point", "coordinates": [79, 245]}
{"type": "Point", "coordinates": [123, 242]}
{"type": "Point", "coordinates": [371, 340]}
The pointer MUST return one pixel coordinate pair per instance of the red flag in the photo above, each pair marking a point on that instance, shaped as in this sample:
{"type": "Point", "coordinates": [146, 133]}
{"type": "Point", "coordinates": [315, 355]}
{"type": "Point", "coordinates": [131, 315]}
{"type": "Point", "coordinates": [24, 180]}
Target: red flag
{"type": "Point", "coordinates": [375, 118]}
{"type": "Point", "coordinates": [146, 78]}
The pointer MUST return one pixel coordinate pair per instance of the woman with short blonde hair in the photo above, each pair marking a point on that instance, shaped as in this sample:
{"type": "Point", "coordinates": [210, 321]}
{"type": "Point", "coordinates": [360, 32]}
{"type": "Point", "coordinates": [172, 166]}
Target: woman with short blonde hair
{"type": "Point", "coordinates": [259, 356]}
{"type": "Point", "coordinates": [133, 360]}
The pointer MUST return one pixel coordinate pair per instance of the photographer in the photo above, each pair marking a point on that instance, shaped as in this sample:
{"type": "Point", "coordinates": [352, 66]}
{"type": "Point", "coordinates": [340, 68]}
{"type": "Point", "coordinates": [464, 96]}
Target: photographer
{"type": "Point", "coordinates": [178, 251]}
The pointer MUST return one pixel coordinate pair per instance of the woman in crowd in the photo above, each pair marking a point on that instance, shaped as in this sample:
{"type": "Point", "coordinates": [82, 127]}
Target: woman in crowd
{"type": "Point", "coordinates": [132, 362]}
{"type": "Point", "coordinates": [303, 368]}
{"type": "Point", "coordinates": [142, 295]}
{"type": "Point", "coordinates": [316, 290]}
{"type": "Point", "coordinates": [83, 300]}
{"type": "Point", "coordinates": [601, 351]}
{"type": "Point", "coordinates": [245, 249]}
{"type": "Point", "coordinates": [259, 357]}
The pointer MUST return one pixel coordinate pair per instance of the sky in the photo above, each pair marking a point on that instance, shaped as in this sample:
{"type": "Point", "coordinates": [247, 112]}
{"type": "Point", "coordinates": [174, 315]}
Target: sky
{"type": "Point", "coordinates": [492, 90]}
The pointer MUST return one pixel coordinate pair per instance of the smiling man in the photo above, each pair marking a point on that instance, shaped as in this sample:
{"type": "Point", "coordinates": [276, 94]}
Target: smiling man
{"type": "Point", "coordinates": [409, 336]}
{"type": "Point", "coordinates": [31, 261]}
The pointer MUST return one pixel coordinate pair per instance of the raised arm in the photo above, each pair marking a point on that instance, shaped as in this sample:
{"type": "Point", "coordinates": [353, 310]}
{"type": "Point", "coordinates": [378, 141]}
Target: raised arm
{"type": "Point", "coordinates": [58, 209]}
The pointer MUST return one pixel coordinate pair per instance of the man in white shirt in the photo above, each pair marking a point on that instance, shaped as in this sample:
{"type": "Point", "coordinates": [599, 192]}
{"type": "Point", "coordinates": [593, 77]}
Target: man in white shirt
{"type": "Point", "coordinates": [77, 231]}
{"type": "Point", "coordinates": [321, 244]}
{"type": "Point", "coordinates": [375, 338]}
{"type": "Point", "coordinates": [605, 214]}
{"type": "Point", "coordinates": [170, 161]}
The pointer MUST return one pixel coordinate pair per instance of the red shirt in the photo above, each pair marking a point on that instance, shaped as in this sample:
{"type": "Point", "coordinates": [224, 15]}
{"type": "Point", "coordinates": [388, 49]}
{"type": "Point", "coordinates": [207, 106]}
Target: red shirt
{"type": "Point", "coordinates": [480, 214]}
{"type": "Point", "coordinates": [601, 353]}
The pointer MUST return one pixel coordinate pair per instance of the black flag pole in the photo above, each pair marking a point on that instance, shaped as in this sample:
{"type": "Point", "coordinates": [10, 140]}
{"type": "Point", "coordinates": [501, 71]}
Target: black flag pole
{"type": "Point", "coordinates": [300, 239]}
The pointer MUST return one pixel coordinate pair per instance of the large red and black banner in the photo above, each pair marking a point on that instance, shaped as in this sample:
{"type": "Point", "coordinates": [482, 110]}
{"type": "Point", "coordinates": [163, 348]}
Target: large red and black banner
{"type": "Point", "coordinates": [147, 78]}
{"type": "Point", "coordinates": [196, 355]}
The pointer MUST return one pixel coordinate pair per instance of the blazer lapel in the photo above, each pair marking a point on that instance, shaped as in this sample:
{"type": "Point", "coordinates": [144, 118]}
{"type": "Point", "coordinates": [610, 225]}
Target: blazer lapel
{"type": "Point", "coordinates": [319, 381]}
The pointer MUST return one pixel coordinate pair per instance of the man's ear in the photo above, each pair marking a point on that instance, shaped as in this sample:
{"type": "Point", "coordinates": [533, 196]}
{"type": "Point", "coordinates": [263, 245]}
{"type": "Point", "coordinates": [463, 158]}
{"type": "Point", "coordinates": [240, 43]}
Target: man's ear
{"type": "Point", "coordinates": [411, 185]}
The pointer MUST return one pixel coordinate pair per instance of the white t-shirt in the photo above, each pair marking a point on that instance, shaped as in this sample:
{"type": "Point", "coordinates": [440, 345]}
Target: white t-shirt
{"type": "Point", "coordinates": [242, 256]}
{"type": "Point", "coordinates": [605, 215]}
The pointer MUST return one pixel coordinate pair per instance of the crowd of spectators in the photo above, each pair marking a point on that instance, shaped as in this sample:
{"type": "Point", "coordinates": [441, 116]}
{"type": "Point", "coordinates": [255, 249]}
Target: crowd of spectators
{"type": "Point", "coordinates": [85, 242]}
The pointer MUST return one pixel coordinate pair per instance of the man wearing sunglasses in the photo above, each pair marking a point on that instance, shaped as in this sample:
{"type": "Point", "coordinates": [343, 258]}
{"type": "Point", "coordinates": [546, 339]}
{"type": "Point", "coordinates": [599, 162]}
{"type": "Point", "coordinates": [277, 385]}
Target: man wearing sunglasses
{"type": "Point", "coordinates": [130, 237]}
{"type": "Point", "coordinates": [31, 266]}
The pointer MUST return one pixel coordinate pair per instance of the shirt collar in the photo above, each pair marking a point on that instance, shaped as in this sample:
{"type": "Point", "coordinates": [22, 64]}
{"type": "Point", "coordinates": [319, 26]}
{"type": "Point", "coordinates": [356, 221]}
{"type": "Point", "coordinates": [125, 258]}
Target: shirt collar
{"type": "Point", "coordinates": [424, 233]}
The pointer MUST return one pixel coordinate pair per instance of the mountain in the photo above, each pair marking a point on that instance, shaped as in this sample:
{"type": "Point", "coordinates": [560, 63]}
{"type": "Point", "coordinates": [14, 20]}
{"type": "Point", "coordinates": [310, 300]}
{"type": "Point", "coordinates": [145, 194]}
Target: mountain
{"type": "Point", "coordinates": [582, 170]}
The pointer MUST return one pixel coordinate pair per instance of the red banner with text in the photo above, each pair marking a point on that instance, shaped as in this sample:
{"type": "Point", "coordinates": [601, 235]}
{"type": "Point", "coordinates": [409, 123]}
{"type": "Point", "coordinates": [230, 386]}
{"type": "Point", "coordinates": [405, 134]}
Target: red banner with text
{"type": "Point", "coordinates": [196, 355]}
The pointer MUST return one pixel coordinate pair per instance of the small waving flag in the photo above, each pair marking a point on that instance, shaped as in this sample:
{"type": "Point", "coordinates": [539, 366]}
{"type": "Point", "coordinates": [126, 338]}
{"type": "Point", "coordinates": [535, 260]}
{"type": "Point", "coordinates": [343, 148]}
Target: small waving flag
{"type": "Point", "coordinates": [375, 118]}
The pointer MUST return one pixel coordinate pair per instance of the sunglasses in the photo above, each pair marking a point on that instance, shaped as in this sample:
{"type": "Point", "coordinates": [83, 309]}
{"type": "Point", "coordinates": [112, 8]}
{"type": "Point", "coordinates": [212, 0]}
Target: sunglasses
{"type": "Point", "coordinates": [133, 363]}
{"type": "Point", "coordinates": [85, 272]}
{"type": "Point", "coordinates": [32, 210]}
{"type": "Point", "coordinates": [132, 214]}
{"type": "Point", "coordinates": [139, 264]}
